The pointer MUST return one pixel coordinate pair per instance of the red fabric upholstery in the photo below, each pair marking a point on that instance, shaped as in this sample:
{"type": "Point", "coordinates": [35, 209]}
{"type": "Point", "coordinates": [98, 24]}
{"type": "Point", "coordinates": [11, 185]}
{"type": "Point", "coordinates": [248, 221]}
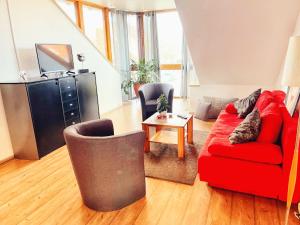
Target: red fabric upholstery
{"type": "Point", "coordinates": [240, 175]}
{"type": "Point", "coordinates": [268, 97]}
{"type": "Point", "coordinates": [230, 108]}
{"type": "Point", "coordinates": [271, 122]}
{"type": "Point", "coordinates": [279, 96]}
{"type": "Point", "coordinates": [242, 168]}
{"type": "Point", "coordinates": [264, 100]}
{"type": "Point", "coordinates": [225, 124]}
{"type": "Point", "coordinates": [252, 151]}
{"type": "Point", "coordinates": [288, 138]}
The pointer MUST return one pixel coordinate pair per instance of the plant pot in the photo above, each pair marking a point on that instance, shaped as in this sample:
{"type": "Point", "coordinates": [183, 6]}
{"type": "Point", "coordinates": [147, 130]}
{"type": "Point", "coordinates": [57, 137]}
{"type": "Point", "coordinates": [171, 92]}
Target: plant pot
{"type": "Point", "coordinates": [136, 87]}
{"type": "Point", "coordinates": [164, 113]}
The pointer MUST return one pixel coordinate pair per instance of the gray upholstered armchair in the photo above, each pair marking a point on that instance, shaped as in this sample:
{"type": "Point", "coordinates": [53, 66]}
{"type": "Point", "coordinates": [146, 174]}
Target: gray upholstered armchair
{"type": "Point", "coordinates": [109, 168]}
{"type": "Point", "coordinates": [149, 93]}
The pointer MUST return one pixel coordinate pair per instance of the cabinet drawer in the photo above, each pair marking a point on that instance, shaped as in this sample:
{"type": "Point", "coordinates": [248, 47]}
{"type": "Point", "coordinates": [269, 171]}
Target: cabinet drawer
{"type": "Point", "coordinates": [71, 114]}
{"type": "Point", "coordinates": [72, 122]}
{"type": "Point", "coordinates": [69, 105]}
{"type": "Point", "coordinates": [69, 95]}
{"type": "Point", "coordinates": [67, 84]}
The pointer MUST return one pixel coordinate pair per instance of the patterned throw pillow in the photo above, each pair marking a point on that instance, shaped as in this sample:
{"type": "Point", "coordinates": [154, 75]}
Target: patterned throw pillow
{"type": "Point", "coordinates": [245, 106]}
{"type": "Point", "coordinates": [248, 130]}
{"type": "Point", "coordinates": [217, 105]}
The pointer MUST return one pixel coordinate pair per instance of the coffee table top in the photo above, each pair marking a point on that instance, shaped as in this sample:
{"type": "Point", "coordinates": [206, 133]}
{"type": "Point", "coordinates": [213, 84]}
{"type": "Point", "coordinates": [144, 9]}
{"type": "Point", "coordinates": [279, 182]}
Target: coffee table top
{"type": "Point", "coordinates": [173, 121]}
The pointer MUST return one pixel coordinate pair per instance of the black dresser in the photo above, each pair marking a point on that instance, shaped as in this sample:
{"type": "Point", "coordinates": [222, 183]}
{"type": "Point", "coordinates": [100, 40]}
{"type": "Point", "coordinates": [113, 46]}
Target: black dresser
{"type": "Point", "coordinates": [37, 111]}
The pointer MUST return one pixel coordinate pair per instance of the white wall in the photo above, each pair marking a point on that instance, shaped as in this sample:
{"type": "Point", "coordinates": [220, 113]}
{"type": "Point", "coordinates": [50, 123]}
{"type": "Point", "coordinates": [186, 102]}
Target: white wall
{"type": "Point", "coordinates": [239, 45]}
{"type": "Point", "coordinates": [9, 70]}
{"type": "Point", "coordinates": [41, 21]}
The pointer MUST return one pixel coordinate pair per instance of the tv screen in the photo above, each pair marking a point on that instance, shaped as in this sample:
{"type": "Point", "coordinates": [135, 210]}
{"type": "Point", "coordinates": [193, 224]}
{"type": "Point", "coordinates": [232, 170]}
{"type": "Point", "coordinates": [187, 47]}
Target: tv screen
{"type": "Point", "coordinates": [54, 57]}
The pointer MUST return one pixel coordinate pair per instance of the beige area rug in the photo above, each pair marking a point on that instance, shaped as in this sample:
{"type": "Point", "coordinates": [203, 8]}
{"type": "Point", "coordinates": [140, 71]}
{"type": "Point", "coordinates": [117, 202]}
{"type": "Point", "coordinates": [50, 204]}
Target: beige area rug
{"type": "Point", "coordinates": [162, 161]}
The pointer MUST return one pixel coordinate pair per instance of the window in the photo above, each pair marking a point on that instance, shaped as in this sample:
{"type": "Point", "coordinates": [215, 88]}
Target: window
{"type": "Point", "coordinates": [172, 77]}
{"type": "Point", "coordinates": [133, 37]}
{"type": "Point", "coordinates": [170, 41]}
{"type": "Point", "coordinates": [169, 37]}
{"type": "Point", "coordinates": [94, 27]}
{"type": "Point", "coordinates": [68, 8]}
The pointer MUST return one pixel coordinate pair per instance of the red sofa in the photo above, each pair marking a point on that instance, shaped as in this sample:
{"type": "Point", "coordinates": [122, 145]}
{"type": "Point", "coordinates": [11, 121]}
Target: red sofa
{"type": "Point", "coordinates": [259, 168]}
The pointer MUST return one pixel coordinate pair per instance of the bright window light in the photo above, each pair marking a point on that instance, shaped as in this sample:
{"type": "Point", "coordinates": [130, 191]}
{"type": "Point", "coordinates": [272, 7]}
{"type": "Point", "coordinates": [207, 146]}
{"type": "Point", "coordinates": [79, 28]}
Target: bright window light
{"type": "Point", "coordinates": [94, 27]}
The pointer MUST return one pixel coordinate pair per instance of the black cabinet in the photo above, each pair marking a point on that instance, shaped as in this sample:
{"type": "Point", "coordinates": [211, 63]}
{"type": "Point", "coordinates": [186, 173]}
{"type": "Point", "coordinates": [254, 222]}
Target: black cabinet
{"type": "Point", "coordinates": [38, 111]}
{"type": "Point", "coordinates": [86, 86]}
{"type": "Point", "coordinates": [47, 115]}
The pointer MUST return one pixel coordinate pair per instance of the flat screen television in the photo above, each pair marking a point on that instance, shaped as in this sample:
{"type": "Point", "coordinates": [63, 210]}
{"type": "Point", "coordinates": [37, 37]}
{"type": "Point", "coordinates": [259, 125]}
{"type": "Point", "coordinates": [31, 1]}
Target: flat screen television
{"type": "Point", "coordinates": [54, 57]}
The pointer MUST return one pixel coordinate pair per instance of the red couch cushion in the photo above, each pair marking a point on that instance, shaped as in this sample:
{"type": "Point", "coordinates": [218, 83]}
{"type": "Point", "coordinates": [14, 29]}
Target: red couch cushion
{"type": "Point", "coordinates": [231, 109]}
{"type": "Point", "coordinates": [268, 97]}
{"type": "Point", "coordinates": [225, 124]}
{"type": "Point", "coordinates": [279, 96]}
{"type": "Point", "coordinates": [271, 121]}
{"type": "Point", "coordinates": [252, 151]}
{"type": "Point", "coordinates": [264, 100]}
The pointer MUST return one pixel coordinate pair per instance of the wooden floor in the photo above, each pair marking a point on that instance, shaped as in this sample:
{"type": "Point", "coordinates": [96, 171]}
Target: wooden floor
{"type": "Point", "coordinates": [45, 192]}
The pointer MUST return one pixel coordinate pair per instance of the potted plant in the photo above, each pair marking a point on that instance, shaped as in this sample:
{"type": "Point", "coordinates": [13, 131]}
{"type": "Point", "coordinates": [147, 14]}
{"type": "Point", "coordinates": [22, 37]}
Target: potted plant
{"type": "Point", "coordinates": [143, 72]}
{"type": "Point", "coordinates": [162, 106]}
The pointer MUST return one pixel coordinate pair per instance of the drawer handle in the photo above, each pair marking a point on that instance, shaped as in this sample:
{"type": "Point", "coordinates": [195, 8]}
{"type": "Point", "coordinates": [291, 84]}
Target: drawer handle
{"type": "Point", "coordinates": [69, 95]}
{"type": "Point", "coordinates": [72, 114]}
{"type": "Point", "coordinates": [71, 104]}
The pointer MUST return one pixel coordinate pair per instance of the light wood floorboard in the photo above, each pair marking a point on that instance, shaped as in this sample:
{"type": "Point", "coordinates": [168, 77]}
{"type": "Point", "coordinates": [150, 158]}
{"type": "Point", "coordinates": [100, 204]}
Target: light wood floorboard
{"type": "Point", "coordinates": [46, 192]}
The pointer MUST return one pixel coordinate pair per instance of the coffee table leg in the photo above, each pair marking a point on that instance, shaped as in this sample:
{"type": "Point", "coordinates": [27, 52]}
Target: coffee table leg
{"type": "Point", "coordinates": [147, 141]}
{"type": "Point", "coordinates": [181, 143]}
{"type": "Point", "coordinates": [190, 131]}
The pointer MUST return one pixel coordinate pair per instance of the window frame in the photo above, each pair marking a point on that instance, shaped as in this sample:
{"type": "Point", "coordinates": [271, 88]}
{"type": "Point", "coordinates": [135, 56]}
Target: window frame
{"type": "Point", "coordinates": [78, 5]}
{"type": "Point", "coordinates": [172, 66]}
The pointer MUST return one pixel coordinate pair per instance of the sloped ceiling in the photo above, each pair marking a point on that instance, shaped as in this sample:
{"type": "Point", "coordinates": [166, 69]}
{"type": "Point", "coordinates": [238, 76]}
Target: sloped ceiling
{"type": "Point", "coordinates": [238, 42]}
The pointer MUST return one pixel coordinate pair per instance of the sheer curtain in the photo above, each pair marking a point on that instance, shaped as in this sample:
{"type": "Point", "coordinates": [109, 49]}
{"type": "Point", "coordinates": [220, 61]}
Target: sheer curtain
{"type": "Point", "coordinates": [151, 38]}
{"type": "Point", "coordinates": [185, 69]}
{"type": "Point", "coordinates": [188, 75]}
{"type": "Point", "coordinates": [121, 46]}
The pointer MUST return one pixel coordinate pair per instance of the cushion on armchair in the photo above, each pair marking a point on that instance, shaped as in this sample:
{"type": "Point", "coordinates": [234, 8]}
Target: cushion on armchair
{"type": "Point", "coordinates": [151, 105]}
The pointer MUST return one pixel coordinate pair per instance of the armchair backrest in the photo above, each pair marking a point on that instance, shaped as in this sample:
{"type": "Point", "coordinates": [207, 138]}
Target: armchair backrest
{"type": "Point", "coordinates": [154, 90]}
{"type": "Point", "coordinates": [105, 163]}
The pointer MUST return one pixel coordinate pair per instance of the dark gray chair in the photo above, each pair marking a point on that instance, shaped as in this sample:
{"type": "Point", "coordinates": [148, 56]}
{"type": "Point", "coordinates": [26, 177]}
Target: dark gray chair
{"type": "Point", "coordinates": [109, 168]}
{"type": "Point", "coordinates": [149, 93]}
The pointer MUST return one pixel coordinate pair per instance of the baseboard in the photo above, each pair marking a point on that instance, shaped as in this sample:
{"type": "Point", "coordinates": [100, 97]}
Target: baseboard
{"type": "Point", "coordinates": [6, 159]}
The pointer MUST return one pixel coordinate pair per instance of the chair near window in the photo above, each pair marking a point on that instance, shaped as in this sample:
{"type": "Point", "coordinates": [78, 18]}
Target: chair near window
{"type": "Point", "coordinates": [109, 168]}
{"type": "Point", "coordinates": [149, 93]}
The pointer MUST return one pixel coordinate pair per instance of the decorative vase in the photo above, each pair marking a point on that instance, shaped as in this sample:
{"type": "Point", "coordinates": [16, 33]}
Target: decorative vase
{"type": "Point", "coordinates": [162, 115]}
{"type": "Point", "coordinates": [136, 87]}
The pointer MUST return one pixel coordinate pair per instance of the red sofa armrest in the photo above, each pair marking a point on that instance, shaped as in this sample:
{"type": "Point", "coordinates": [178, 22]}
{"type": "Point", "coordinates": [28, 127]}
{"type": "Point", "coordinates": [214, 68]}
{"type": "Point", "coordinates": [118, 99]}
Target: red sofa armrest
{"type": "Point", "coordinates": [288, 137]}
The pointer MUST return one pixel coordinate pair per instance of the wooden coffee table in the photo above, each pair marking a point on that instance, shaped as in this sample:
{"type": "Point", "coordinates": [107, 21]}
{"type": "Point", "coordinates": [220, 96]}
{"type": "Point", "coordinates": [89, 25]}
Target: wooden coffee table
{"type": "Point", "coordinates": [167, 136]}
